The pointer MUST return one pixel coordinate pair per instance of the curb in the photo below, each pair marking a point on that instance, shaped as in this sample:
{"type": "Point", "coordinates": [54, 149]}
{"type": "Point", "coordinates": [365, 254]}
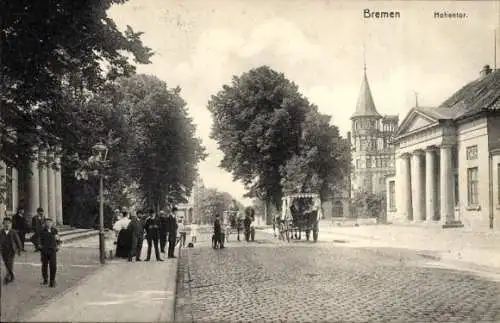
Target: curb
{"type": "Point", "coordinates": [168, 315]}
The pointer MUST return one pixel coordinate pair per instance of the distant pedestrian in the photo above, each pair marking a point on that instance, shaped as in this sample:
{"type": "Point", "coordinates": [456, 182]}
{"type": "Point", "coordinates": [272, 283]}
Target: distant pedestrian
{"type": "Point", "coordinates": [227, 231]}
{"type": "Point", "coordinates": [140, 236]}
{"type": "Point", "coordinates": [152, 227]}
{"type": "Point", "coordinates": [172, 227]}
{"type": "Point", "coordinates": [194, 232]}
{"type": "Point", "coordinates": [218, 234]}
{"type": "Point", "coordinates": [37, 225]}
{"type": "Point", "coordinates": [163, 230]}
{"type": "Point", "coordinates": [20, 224]}
{"type": "Point", "coordinates": [246, 224]}
{"type": "Point", "coordinates": [181, 229]}
{"type": "Point", "coordinates": [49, 246]}
{"type": "Point", "coordinates": [10, 244]}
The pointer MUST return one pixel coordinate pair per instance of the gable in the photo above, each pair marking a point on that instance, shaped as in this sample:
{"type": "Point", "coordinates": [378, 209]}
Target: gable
{"type": "Point", "coordinates": [417, 123]}
{"type": "Point", "coordinates": [414, 121]}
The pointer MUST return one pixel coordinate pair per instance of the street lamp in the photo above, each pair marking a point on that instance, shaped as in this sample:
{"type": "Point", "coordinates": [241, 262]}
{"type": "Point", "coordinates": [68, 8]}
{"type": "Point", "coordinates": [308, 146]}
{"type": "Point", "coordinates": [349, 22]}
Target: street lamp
{"type": "Point", "coordinates": [100, 152]}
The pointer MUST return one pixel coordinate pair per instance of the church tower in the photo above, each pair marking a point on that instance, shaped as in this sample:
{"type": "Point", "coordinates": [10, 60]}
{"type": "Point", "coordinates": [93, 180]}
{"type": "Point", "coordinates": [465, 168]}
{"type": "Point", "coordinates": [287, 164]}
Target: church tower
{"type": "Point", "coordinates": [371, 149]}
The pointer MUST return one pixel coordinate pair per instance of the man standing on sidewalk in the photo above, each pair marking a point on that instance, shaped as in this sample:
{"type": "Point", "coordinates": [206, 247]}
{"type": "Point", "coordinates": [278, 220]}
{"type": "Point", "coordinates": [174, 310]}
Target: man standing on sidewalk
{"type": "Point", "coordinates": [140, 236]}
{"type": "Point", "coordinates": [9, 245]}
{"type": "Point", "coordinates": [49, 245]}
{"type": "Point", "coordinates": [20, 225]}
{"type": "Point", "coordinates": [163, 230]}
{"type": "Point", "coordinates": [172, 232]}
{"type": "Point", "coordinates": [152, 227]}
{"type": "Point", "coordinates": [134, 231]}
{"type": "Point", "coordinates": [36, 227]}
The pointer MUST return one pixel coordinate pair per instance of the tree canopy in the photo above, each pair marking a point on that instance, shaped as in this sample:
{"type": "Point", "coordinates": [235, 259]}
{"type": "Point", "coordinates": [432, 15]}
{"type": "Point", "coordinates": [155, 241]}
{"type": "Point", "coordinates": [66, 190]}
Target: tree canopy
{"type": "Point", "coordinates": [46, 45]}
{"type": "Point", "coordinates": [214, 202]}
{"type": "Point", "coordinates": [274, 139]}
{"type": "Point", "coordinates": [257, 124]}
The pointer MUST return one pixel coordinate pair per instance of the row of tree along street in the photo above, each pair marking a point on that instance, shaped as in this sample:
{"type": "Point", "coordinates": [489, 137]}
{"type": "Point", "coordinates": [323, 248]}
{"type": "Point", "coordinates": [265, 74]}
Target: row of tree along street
{"type": "Point", "coordinates": [73, 84]}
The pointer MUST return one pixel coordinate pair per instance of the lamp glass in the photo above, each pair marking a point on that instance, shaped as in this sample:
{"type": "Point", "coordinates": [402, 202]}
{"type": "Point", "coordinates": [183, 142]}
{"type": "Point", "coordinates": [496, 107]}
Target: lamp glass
{"type": "Point", "coordinates": [99, 150]}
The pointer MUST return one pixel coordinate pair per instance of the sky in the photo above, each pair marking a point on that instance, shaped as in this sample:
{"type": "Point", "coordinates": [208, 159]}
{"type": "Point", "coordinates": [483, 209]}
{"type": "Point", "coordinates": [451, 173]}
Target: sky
{"type": "Point", "coordinates": [320, 45]}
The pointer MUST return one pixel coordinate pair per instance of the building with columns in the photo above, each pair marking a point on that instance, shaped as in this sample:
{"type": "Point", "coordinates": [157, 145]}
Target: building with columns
{"type": "Point", "coordinates": [448, 160]}
{"type": "Point", "coordinates": [372, 151]}
{"type": "Point", "coordinates": [39, 185]}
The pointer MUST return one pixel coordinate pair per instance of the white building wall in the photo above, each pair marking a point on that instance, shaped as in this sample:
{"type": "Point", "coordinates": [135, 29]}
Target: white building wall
{"type": "Point", "coordinates": [495, 161]}
{"type": "Point", "coordinates": [470, 134]}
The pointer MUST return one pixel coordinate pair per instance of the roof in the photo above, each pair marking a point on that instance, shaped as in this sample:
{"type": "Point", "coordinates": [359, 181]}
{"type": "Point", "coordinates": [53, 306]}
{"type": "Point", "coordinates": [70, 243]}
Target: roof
{"type": "Point", "coordinates": [479, 95]}
{"type": "Point", "coordinates": [365, 106]}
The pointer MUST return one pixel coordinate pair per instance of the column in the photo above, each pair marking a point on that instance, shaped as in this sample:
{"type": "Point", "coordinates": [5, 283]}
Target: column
{"type": "Point", "coordinates": [51, 185]}
{"type": "Point", "coordinates": [430, 184]}
{"type": "Point", "coordinates": [33, 185]}
{"type": "Point", "coordinates": [59, 214]}
{"type": "Point", "coordinates": [43, 187]}
{"type": "Point", "coordinates": [15, 190]}
{"type": "Point", "coordinates": [3, 185]}
{"type": "Point", "coordinates": [405, 188]}
{"type": "Point", "coordinates": [446, 179]}
{"type": "Point", "coordinates": [417, 186]}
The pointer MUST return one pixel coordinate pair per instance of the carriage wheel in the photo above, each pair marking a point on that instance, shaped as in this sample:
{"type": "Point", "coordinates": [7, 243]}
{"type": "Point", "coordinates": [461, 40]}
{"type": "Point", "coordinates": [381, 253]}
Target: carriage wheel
{"type": "Point", "coordinates": [315, 235]}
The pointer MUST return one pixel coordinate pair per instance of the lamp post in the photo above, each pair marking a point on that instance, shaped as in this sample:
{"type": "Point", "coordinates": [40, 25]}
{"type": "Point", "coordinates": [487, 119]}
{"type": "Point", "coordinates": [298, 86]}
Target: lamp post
{"type": "Point", "coordinates": [100, 151]}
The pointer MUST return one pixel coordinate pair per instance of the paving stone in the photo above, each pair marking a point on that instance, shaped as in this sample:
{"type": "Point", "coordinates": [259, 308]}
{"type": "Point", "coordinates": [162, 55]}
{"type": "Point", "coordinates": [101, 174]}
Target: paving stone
{"type": "Point", "coordinates": [301, 281]}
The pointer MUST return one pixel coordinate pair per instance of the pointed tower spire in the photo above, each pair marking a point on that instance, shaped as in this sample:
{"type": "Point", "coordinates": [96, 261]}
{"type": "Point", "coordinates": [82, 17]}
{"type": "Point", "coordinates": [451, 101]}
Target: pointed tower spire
{"type": "Point", "coordinates": [365, 106]}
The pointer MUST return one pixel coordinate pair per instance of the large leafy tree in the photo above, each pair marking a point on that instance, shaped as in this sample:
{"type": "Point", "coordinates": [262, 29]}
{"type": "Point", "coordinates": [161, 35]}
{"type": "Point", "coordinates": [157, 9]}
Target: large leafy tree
{"type": "Point", "coordinates": [323, 161]}
{"type": "Point", "coordinates": [257, 123]}
{"type": "Point", "coordinates": [214, 202]}
{"type": "Point", "coordinates": [166, 153]}
{"type": "Point", "coordinates": [46, 46]}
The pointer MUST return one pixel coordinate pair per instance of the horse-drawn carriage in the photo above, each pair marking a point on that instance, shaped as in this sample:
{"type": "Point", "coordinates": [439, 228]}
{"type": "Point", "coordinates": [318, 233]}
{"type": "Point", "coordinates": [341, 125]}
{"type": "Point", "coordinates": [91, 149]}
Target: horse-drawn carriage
{"type": "Point", "coordinates": [301, 212]}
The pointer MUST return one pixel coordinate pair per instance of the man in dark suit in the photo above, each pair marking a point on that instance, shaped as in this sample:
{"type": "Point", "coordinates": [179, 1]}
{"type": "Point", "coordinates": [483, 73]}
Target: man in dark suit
{"type": "Point", "coordinates": [218, 232]}
{"type": "Point", "coordinates": [140, 236]}
{"type": "Point", "coordinates": [20, 225]}
{"type": "Point", "coordinates": [172, 232]}
{"type": "Point", "coordinates": [36, 228]}
{"type": "Point", "coordinates": [163, 230]}
{"type": "Point", "coordinates": [135, 230]}
{"type": "Point", "coordinates": [49, 245]}
{"type": "Point", "coordinates": [152, 227]}
{"type": "Point", "coordinates": [9, 245]}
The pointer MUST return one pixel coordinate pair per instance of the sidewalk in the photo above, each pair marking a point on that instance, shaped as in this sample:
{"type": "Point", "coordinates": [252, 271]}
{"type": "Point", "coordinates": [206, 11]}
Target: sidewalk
{"type": "Point", "coordinates": [118, 292]}
{"type": "Point", "coordinates": [456, 245]}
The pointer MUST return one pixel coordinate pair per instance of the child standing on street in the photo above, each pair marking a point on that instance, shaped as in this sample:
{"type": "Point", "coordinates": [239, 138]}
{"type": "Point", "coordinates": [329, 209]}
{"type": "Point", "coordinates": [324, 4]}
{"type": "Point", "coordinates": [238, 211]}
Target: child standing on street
{"type": "Point", "coordinates": [10, 244]}
{"type": "Point", "coordinates": [194, 232]}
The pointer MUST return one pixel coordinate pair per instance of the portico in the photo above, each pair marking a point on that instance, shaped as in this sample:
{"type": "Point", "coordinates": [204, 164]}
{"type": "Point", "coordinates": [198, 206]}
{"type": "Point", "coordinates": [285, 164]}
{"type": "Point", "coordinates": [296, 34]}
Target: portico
{"type": "Point", "coordinates": [448, 160]}
{"type": "Point", "coordinates": [39, 185]}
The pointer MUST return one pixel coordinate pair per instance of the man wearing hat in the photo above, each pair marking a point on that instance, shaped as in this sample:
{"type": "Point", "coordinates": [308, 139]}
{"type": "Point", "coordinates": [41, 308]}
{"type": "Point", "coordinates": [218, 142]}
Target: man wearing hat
{"type": "Point", "coordinates": [152, 228]}
{"type": "Point", "coordinates": [49, 245]}
{"type": "Point", "coordinates": [163, 231]}
{"type": "Point", "coordinates": [10, 244]}
{"type": "Point", "coordinates": [36, 227]}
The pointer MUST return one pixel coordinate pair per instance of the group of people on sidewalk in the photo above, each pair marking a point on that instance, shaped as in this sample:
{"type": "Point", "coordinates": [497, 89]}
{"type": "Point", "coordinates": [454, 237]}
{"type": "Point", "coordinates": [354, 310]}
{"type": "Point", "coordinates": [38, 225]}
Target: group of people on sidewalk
{"type": "Point", "coordinates": [45, 240]}
{"type": "Point", "coordinates": [160, 232]}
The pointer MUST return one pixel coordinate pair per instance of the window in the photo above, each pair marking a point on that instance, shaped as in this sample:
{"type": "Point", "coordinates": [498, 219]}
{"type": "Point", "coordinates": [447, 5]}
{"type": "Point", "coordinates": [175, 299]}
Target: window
{"type": "Point", "coordinates": [378, 163]}
{"type": "Point", "coordinates": [374, 143]}
{"type": "Point", "coordinates": [368, 163]}
{"type": "Point", "coordinates": [358, 163]}
{"type": "Point", "coordinates": [472, 191]}
{"type": "Point", "coordinates": [392, 195]}
{"type": "Point", "coordinates": [471, 152]}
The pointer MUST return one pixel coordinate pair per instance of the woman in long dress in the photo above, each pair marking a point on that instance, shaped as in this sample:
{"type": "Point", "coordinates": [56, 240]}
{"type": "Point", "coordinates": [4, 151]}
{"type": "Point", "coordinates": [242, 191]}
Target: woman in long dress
{"type": "Point", "coordinates": [123, 242]}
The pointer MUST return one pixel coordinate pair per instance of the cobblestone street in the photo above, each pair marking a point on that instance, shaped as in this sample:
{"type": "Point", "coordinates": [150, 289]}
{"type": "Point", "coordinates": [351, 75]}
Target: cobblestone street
{"type": "Point", "coordinates": [301, 282]}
